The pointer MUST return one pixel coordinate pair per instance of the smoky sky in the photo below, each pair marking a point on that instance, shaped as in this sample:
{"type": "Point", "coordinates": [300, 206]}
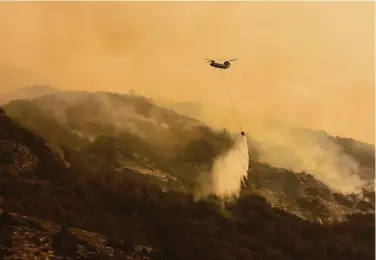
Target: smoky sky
{"type": "Point", "coordinates": [306, 64]}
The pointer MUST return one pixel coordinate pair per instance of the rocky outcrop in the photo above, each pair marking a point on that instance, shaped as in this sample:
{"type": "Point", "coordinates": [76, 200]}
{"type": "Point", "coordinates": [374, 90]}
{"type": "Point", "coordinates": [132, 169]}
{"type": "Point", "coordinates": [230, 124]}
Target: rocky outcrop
{"type": "Point", "coordinates": [22, 237]}
{"type": "Point", "coordinates": [16, 159]}
{"type": "Point", "coordinates": [22, 151]}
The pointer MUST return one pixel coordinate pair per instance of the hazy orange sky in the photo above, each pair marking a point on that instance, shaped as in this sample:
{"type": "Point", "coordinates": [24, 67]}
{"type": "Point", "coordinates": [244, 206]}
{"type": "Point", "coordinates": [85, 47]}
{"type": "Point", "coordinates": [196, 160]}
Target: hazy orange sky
{"type": "Point", "coordinates": [307, 64]}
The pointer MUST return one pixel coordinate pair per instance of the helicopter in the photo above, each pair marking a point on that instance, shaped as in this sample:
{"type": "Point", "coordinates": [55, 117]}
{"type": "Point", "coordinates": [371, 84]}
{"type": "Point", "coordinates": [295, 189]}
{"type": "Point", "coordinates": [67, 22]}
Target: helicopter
{"type": "Point", "coordinates": [218, 65]}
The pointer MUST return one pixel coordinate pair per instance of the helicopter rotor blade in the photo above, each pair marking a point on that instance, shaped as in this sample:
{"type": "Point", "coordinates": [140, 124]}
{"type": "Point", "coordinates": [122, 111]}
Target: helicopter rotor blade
{"type": "Point", "coordinates": [232, 60]}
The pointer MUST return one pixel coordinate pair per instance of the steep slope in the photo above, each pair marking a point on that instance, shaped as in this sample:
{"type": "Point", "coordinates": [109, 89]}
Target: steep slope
{"type": "Point", "coordinates": [36, 239]}
{"type": "Point", "coordinates": [305, 196]}
{"type": "Point", "coordinates": [363, 153]}
{"type": "Point", "coordinates": [170, 222]}
{"type": "Point", "coordinates": [105, 121]}
{"type": "Point", "coordinates": [41, 122]}
{"type": "Point", "coordinates": [93, 114]}
{"type": "Point", "coordinates": [129, 135]}
{"type": "Point", "coordinates": [23, 152]}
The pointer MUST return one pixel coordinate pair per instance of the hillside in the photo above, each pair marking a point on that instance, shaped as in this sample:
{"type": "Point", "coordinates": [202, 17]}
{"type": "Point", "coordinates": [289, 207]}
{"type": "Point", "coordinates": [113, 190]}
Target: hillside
{"type": "Point", "coordinates": [130, 135]}
{"type": "Point", "coordinates": [85, 121]}
{"type": "Point", "coordinates": [24, 154]}
{"type": "Point", "coordinates": [60, 189]}
{"type": "Point", "coordinates": [36, 239]}
{"type": "Point", "coordinates": [362, 152]}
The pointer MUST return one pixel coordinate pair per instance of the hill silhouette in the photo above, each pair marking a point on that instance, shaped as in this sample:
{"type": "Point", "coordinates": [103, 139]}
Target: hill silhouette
{"type": "Point", "coordinates": [28, 92]}
{"type": "Point", "coordinates": [41, 180]}
{"type": "Point", "coordinates": [130, 134]}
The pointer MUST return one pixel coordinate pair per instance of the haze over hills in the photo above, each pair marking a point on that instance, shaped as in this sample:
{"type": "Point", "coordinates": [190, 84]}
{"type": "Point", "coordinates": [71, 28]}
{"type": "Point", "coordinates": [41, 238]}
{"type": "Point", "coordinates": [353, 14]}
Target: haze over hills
{"type": "Point", "coordinates": [115, 123]}
{"type": "Point", "coordinates": [40, 180]}
{"type": "Point", "coordinates": [13, 79]}
{"type": "Point", "coordinates": [304, 66]}
{"type": "Point", "coordinates": [130, 133]}
{"type": "Point", "coordinates": [29, 92]}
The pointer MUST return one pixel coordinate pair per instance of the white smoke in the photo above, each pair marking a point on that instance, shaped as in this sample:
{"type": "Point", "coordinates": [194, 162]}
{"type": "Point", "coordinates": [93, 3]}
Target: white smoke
{"type": "Point", "coordinates": [228, 172]}
{"type": "Point", "coordinates": [313, 153]}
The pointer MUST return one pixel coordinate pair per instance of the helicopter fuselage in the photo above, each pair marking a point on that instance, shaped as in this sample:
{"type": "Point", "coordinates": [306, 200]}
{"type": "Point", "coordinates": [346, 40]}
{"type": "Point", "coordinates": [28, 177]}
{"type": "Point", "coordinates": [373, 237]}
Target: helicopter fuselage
{"type": "Point", "coordinates": [220, 65]}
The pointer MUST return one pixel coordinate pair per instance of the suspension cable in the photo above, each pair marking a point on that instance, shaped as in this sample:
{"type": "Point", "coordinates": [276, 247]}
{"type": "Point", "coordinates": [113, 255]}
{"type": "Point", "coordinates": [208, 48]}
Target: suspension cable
{"type": "Point", "coordinates": [232, 103]}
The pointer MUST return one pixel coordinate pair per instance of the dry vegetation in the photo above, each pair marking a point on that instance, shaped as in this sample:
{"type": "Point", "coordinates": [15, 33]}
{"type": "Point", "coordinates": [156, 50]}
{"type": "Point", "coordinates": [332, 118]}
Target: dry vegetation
{"type": "Point", "coordinates": [171, 222]}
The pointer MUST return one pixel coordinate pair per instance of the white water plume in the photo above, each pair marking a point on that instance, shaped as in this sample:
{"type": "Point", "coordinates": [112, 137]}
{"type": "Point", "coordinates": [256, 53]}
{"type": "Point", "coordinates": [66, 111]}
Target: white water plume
{"type": "Point", "coordinates": [228, 172]}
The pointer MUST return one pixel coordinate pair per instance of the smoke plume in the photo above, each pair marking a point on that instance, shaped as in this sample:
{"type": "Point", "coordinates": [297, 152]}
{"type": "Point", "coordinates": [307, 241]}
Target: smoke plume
{"type": "Point", "coordinates": [312, 152]}
{"type": "Point", "coordinates": [300, 63]}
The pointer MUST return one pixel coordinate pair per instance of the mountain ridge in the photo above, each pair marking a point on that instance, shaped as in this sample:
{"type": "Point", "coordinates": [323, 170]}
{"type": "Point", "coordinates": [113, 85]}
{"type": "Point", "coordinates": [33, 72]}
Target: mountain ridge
{"type": "Point", "coordinates": [170, 222]}
{"type": "Point", "coordinates": [125, 141]}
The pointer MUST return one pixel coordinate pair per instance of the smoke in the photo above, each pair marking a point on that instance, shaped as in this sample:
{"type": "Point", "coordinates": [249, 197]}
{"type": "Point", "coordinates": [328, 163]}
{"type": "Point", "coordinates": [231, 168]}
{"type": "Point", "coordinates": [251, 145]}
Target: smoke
{"type": "Point", "coordinates": [298, 62]}
{"type": "Point", "coordinates": [229, 170]}
{"type": "Point", "coordinates": [302, 150]}
{"type": "Point", "coordinates": [301, 63]}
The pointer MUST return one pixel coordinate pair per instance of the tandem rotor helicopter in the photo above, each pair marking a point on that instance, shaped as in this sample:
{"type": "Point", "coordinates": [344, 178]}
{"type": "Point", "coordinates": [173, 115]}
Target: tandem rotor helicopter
{"type": "Point", "coordinates": [219, 65]}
